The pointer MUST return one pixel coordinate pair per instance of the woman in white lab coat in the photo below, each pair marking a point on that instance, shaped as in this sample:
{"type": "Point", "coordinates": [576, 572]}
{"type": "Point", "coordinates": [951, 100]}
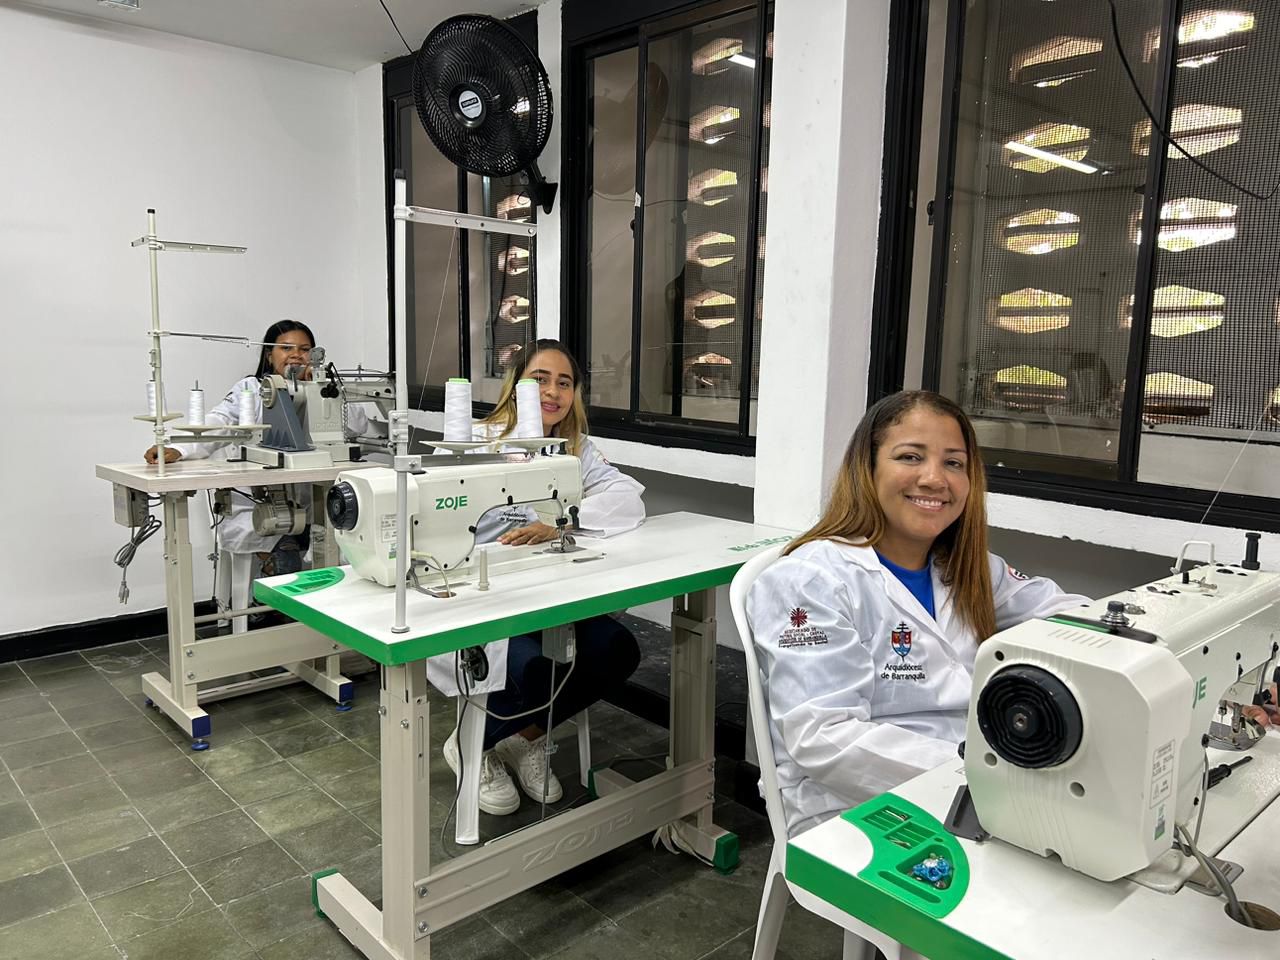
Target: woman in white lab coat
{"type": "Point", "coordinates": [606, 651]}
{"type": "Point", "coordinates": [287, 343]}
{"type": "Point", "coordinates": [868, 627]}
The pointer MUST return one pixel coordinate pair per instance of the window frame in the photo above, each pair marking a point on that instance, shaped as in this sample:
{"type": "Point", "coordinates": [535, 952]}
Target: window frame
{"type": "Point", "coordinates": [594, 30]}
{"type": "Point", "coordinates": [1126, 493]}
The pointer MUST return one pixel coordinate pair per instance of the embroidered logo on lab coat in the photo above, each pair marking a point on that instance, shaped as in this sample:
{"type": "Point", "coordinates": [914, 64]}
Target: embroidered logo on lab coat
{"type": "Point", "coordinates": [1016, 574]}
{"type": "Point", "coordinates": [900, 643]}
{"type": "Point", "coordinates": [900, 640]}
{"type": "Point", "coordinates": [800, 634]}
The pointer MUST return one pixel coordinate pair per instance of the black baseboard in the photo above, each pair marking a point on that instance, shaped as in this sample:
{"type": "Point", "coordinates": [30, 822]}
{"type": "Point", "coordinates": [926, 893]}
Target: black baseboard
{"type": "Point", "coordinates": [70, 637]}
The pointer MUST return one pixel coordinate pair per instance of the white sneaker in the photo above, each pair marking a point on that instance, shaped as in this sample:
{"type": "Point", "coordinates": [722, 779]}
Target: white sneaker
{"type": "Point", "coordinates": [527, 759]}
{"type": "Point", "coordinates": [498, 795]}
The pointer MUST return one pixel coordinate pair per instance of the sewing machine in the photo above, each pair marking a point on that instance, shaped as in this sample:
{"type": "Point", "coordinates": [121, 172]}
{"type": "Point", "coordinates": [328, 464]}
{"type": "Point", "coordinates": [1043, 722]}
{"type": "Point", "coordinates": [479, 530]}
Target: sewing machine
{"type": "Point", "coordinates": [305, 417]}
{"type": "Point", "coordinates": [446, 501]}
{"type": "Point", "coordinates": [1087, 732]}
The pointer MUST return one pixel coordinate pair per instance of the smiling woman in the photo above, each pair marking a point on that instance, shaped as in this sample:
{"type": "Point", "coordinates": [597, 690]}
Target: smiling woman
{"type": "Point", "coordinates": [868, 626]}
{"type": "Point", "coordinates": [607, 653]}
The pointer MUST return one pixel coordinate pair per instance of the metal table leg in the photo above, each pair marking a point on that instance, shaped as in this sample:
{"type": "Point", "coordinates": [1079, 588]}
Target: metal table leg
{"type": "Point", "coordinates": [176, 694]}
{"type": "Point", "coordinates": [393, 933]}
{"type": "Point", "coordinates": [692, 725]}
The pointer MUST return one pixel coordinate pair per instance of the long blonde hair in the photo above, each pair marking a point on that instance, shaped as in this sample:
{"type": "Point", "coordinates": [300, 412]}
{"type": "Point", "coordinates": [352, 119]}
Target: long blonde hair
{"type": "Point", "coordinates": [853, 513]}
{"type": "Point", "coordinates": [574, 425]}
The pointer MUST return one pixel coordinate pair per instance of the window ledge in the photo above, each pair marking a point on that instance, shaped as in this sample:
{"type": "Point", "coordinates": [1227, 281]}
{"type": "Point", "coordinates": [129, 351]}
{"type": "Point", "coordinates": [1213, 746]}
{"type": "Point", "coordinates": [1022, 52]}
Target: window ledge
{"type": "Point", "coordinates": [679, 461]}
{"type": "Point", "coordinates": [1127, 531]}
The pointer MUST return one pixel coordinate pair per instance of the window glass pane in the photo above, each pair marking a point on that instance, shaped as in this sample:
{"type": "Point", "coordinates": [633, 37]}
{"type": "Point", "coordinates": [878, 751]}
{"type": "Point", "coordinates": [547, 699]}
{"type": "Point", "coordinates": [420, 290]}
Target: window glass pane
{"type": "Point", "coordinates": [1213, 363]}
{"type": "Point", "coordinates": [501, 285]}
{"type": "Point", "coordinates": [695, 307]}
{"type": "Point", "coordinates": [611, 186]}
{"type": "Point", "coordinates": [1041, 263]}
{"type": "Point", "coordinates": [433, 261]}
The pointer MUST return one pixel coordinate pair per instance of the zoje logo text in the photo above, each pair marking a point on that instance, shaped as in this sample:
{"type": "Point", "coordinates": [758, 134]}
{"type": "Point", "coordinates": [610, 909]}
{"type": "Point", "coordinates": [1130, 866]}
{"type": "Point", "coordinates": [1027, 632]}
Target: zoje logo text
{"type": "Point", "coordinates": [576, 841]}
{"type": "Point", "coordinates": [450, 503]}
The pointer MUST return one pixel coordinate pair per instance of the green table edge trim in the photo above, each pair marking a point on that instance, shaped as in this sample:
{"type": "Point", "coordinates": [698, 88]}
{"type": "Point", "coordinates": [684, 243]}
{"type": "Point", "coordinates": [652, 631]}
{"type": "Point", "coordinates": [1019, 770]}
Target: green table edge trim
{"type": "Point", "coordinates": [315, 890]}
{"type": "Point", "coordinates": [419, 648]}
{"type": "Point", "coordinates": [725, 859]}
{"type": "Point", "coordinates": [863, 897]}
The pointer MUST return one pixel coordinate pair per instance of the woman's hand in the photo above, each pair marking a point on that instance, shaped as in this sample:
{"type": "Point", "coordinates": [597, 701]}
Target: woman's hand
{"type": "Point", "coordinates": [1266, 716]}
{"type": "Point", "coordinates": [533, 533]}
{"type": "Point", "coordinates": [170, 455]}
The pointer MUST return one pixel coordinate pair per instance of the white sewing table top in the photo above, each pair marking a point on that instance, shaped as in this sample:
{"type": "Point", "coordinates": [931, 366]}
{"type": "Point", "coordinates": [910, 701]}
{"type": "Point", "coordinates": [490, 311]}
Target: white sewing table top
{"type": "Point", "coordinates": [213, 474]}
{"type": "Point", "coordinates": [669, 555]}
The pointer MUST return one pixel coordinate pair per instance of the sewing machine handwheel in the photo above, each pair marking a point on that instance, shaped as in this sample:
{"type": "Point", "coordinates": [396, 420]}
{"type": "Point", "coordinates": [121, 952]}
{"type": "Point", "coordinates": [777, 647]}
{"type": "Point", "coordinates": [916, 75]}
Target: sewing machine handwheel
{"type": "Point", "coordinates": [1029, 717]}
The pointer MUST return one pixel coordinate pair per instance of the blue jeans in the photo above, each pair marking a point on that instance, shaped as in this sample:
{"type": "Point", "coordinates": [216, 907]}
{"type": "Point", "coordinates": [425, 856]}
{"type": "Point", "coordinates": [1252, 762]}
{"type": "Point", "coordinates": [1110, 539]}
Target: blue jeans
{"type": "Point", "coordinates": [606, 655]}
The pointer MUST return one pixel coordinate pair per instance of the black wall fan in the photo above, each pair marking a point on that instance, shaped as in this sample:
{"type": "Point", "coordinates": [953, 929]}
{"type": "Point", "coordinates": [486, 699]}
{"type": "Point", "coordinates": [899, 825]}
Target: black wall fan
{"type": "Point", "coordinates": [485, 101]}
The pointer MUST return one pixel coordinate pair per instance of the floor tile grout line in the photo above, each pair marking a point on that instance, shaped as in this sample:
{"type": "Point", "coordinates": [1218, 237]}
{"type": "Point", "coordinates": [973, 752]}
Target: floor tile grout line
{"type": "Point", "coordinates": [704, 956]}
{"type": "Point", "coordinates": [54, 847]}
{"type": "Point", "coordinates": [132, 803]}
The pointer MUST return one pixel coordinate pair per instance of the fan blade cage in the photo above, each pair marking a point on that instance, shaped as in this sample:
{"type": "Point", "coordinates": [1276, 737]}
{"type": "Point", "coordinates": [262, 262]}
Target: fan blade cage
{"type": "Point", "coordinates": [482, 96]}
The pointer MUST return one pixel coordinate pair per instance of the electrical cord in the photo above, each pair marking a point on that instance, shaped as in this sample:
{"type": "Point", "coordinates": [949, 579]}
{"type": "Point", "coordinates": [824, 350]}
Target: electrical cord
{"type": "Point", "coordinates": [397, 26]}
{"type": "Point", "coordinates": [444, 288]}
{"type": "Point", "coordinates": [124, 556]}
{"type": "Point", "coordinates": [1234, 910]}
{"type": "Point", "coordinates": [1124, 61]}
{"type": "Point", "coordinates": [537, 709]}
{"type": "Point", "coordinates": [1204, 796]}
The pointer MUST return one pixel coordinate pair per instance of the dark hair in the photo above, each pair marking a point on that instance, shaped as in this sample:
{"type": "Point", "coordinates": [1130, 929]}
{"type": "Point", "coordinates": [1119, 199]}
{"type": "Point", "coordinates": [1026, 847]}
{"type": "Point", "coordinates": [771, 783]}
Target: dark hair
{"type": "Point", "coordinates": [272, 335]}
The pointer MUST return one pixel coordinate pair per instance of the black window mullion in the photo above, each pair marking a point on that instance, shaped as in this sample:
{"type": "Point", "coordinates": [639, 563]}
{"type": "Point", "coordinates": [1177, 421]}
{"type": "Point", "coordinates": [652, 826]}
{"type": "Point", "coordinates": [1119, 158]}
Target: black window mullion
{"type": "Point", "coordinates": [931, 369]}
{"type": "Point", "coordinates": [637, 229]}
{"type": "Point", "coordinates": [681, 288]}
{"type": "Point", "coordinates": [1145, 277]}
{"type": "Point", "coordinates": [748, 300]}
{"type": "Point", "coordinates": [900, 173]}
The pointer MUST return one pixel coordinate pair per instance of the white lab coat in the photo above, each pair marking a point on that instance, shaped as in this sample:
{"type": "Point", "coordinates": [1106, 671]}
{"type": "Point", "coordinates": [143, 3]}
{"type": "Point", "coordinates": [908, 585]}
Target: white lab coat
{"type": "Point", "coordinates": [611, 504]}
{"type": "Point", "coordinates": [611, 501]}
{"type": "Point", "coordinates": [236, 533]}
{"type": "Point", "coordinates": [852, 716]}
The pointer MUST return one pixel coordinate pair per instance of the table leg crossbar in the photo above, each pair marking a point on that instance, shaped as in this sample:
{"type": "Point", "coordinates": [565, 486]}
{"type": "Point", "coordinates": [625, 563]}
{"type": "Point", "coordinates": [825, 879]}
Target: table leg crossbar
{"type": "Point", "coordinates": [417, 902]}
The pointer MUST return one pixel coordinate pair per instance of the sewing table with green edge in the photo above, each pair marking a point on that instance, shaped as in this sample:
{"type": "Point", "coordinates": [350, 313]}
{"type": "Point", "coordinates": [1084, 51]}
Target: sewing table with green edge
{"type": "Point", "coordinates": [1005, 903]}
{"type": "Point", "coordinates": [679, 556]}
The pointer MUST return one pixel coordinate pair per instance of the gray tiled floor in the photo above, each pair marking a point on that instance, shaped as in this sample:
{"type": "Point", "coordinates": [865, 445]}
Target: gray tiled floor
{"type": "Point", "coordinates": [116, 841]}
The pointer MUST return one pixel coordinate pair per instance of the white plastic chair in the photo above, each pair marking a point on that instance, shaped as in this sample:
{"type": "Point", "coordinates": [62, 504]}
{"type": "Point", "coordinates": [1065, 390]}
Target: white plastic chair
{"type": "Point", "coordinates": [773, 902]}
{"type": "Point", "coordinates": [470, 745]}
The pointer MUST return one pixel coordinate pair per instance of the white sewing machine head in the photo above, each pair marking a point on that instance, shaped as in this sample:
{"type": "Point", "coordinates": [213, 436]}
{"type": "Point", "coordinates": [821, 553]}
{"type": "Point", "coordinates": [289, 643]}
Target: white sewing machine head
{"type": "Point", "coordinates": [446, 500]}
{"type": "Point", "coordinates": [1086, 731]}
{"type": "Point", "coordinates": [306, 415]}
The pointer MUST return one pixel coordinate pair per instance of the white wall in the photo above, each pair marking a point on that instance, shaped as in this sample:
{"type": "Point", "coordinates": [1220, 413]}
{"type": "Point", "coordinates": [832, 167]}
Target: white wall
{"type": "Point", "coordinates": [99, 123]}
{"type": "Point", "coordinates": [371, 219]}
{"type": "Point", "coordinates": [547, 245]}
